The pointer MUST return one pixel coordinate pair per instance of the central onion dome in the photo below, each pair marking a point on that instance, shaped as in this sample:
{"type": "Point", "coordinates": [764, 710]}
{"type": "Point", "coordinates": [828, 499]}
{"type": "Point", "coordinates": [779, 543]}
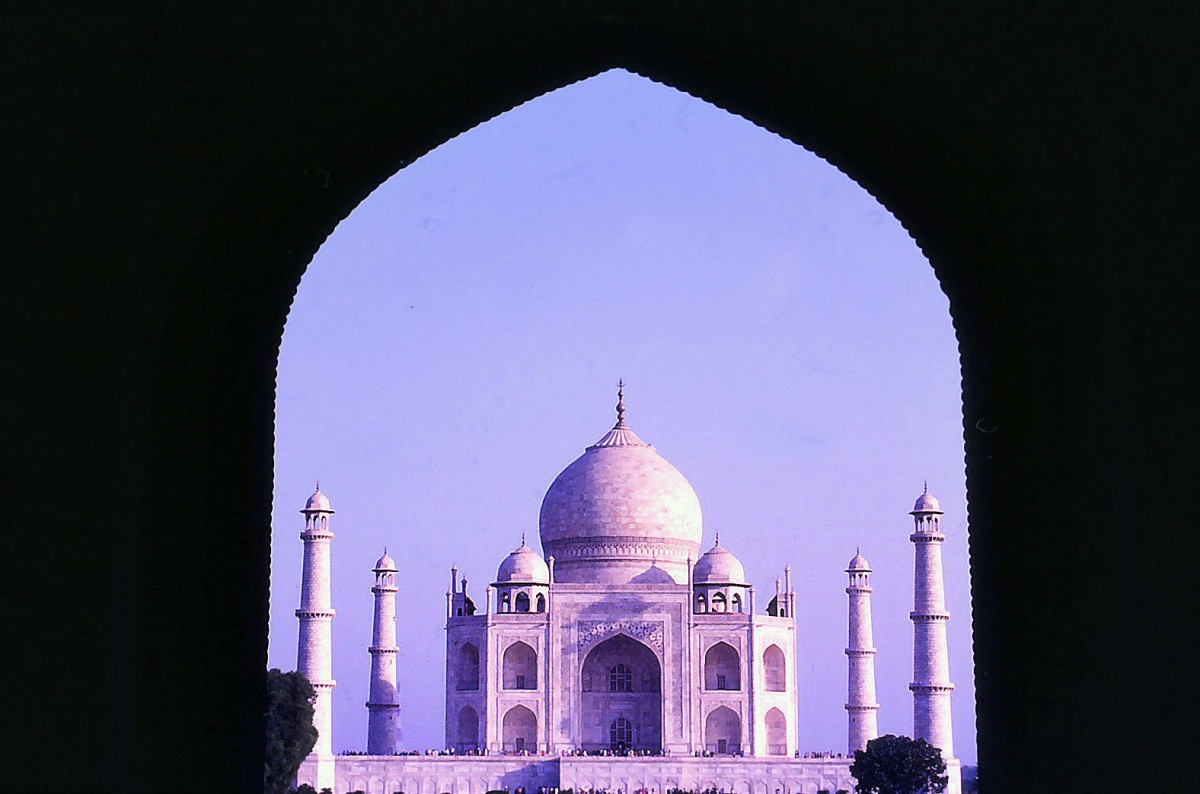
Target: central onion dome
{"type": "Point", "coordinates": [618, 510]}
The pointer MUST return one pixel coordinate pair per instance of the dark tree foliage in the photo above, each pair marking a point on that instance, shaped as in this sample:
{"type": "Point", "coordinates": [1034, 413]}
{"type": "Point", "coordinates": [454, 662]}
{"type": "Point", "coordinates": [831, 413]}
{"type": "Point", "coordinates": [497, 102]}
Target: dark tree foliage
{"type": "Point", "coordinates": [899, 765]}
{"type": "Point", "coordinates": [290, 731]}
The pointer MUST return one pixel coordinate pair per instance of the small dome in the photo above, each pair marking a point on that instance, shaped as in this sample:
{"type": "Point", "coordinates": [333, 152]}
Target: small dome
{"type": "Point", "coordinates": [927, 503]}
{"type": "Point", "coordinates": [385, 563]}
{"type": "Point", "coordinates": [523, 566]}
{"type": "Point", "coordinates": [318, 501]}
{"type": "Point", "coordinates": [718, 566]}
{"type": "Point", "coordinates": [858, 563]}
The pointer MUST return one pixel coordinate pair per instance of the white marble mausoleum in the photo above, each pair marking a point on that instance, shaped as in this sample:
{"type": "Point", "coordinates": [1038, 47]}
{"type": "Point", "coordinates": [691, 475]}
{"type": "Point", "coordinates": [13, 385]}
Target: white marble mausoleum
{"type": "Point", "coordinates": [624, 660]}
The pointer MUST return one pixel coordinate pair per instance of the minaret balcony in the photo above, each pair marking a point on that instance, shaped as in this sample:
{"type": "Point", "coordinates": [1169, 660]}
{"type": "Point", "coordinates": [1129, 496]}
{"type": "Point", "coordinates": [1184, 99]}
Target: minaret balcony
{"type": "Point", "coordinates": [928, 617]}
{"type": "Point", "coordinates": [860, 651]}
{"type": "Point", "coordinates": [931, 688]}
{"type": "Point", "coordinates": [315, 614]}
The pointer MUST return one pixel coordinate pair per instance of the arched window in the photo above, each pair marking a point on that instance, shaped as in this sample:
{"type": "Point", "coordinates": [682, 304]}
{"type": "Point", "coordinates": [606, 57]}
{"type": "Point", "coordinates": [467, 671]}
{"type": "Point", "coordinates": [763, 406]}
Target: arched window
{"type": "Point", "coordinates": [722, 668]}
{"type": "Point", "coordinates": [736, 601]}
{"type": "Point", "coordinates": [520, 667]}
{"type": "Point", "coordinates": [774, 669]}
{"type": "Point", "coordinates": [519, 730]}
{"type": "Point", "coordinates": [467, 668]}
{"type": "Point", "coordinates": [620, 735]}
{"type": "Point", "coordinates": [718, 602]}
{"type": "Point", "coordinates": [505, 603]}
{"type": "Point", "coordinates": [468, 729]}
{"type": "Point", "coordinates": [522, 602]}
{"type": "Point", "coordinates": [541, 603]}
{"type": "Point", "coordinates": [776, 733]}
{"type": "Point", "coordinates": [701, 603]}
{"type": "Point", "coordinates": [723, 731]}
{"type": "Point", "coordinates": [620, 679]}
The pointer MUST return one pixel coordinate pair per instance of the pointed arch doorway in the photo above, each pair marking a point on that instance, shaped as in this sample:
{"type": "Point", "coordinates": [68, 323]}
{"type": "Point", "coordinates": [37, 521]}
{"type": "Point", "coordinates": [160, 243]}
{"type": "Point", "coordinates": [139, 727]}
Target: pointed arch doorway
{"type": "Point", "coordinates": [621, 697]}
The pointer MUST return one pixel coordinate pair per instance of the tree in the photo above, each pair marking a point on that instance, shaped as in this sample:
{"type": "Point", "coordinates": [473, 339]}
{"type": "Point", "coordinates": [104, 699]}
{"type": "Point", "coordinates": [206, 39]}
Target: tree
{"type": "Point", "coordinates": [290, 731]}
{"type": "Point", "coordinates": [899, 765]}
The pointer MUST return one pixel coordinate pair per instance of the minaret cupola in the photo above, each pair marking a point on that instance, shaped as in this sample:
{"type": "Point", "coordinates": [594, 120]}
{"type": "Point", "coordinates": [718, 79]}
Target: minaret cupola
{"type": "Point", "coordinates": [719, 581]}
{"type": "Point", "coordinates": [522, 581]}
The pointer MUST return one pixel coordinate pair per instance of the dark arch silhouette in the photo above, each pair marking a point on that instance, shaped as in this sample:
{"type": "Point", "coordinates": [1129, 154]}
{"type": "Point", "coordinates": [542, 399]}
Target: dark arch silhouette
{"type": "Point", "coordinates": [1043, 160]}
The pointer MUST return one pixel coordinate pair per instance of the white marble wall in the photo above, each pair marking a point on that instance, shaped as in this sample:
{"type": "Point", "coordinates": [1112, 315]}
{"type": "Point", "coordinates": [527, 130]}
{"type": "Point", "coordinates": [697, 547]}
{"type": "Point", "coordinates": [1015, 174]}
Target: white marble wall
{"type": "Point", "coordinates": [477, 775]}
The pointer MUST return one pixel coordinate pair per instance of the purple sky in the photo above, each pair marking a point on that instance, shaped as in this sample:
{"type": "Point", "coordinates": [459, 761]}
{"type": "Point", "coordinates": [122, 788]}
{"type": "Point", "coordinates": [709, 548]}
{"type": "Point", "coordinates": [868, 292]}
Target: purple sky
{"type": "Point", "coordinates": [457, 340]}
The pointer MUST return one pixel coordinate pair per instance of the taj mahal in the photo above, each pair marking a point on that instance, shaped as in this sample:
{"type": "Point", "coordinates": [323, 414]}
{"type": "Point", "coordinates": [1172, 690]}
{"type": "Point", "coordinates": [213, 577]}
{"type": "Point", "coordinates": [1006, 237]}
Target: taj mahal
{"type": "Point", "coordinates": [624, 659]}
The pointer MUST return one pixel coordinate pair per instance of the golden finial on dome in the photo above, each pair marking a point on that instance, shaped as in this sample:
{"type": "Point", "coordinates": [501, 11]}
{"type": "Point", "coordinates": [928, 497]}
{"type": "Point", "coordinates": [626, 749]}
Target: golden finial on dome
{"type": "Point", "coordinates": [620, 402]}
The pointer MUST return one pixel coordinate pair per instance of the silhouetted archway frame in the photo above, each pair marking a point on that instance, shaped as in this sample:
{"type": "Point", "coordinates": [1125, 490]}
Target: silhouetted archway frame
{"type": "Point", "coordinates": [378, 153]}
{"type": "Point", "coordinates": [174, 172]}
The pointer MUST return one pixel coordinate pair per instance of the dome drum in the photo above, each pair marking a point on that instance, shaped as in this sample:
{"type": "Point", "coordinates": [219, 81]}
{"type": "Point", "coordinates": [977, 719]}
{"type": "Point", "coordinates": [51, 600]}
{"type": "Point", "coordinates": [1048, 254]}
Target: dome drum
{"type": "Point", "coordinates": [617, 560]}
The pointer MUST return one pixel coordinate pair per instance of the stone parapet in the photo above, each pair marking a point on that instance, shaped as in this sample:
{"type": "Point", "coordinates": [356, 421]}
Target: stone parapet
{"type": "Point", "coordinates": [456, 774]}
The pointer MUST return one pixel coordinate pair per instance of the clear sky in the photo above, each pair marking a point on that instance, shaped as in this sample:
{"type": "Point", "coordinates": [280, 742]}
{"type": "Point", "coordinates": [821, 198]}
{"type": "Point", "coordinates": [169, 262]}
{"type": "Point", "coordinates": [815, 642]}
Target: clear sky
{"type": "Point", "coordinates": [784, 343]}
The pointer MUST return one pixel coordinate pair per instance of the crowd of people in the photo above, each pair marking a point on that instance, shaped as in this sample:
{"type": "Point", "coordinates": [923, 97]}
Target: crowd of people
{"type": "Point", "coordinates": [627, 752]}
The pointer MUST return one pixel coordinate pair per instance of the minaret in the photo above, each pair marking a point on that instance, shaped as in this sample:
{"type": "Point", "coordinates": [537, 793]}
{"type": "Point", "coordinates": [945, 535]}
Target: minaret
{"type": "Point", "coordinates": [862, 709]}
{"type": "Point", "coordinates": [383, 705]}
{"type": "Point", "coordinates": [315, 653]}
{"type": "Point", "coordinates": [931, 685]}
